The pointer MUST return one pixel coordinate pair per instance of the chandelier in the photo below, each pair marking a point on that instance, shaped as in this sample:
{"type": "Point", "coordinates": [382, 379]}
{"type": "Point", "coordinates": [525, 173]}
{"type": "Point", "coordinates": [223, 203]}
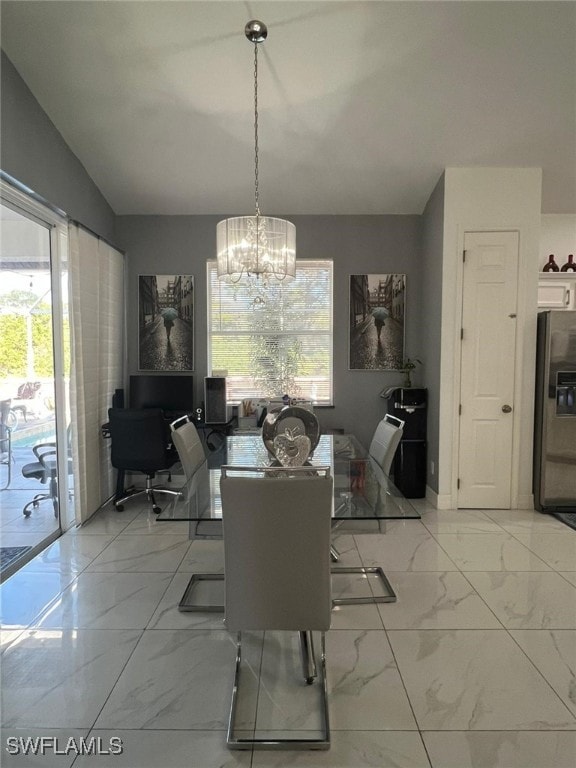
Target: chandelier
{"type": "Point", "coordinates": [255, 245]}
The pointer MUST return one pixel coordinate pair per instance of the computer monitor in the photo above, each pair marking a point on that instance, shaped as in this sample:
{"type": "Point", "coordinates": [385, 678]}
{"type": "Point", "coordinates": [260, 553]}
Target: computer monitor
{"type": "Point", "coordinates": [171, 393]}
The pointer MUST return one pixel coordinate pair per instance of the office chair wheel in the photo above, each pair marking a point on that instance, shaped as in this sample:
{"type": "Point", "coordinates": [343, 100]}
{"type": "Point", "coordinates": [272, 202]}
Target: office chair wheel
{"type": "Point", "coordinates": [156, 509]}
{"type": "Point", "coordinates": [119, 507]}
{"type": "Point", "coordinates": [309, 680]}
{"type": "Point", "coordinates": [27, 512]}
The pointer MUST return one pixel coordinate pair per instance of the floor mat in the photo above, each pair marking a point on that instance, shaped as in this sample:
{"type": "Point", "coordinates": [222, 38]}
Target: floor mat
{"type": "Point", "coordinates": [9, 554]}
{"type": "Point", "coordinates": [568, 518]}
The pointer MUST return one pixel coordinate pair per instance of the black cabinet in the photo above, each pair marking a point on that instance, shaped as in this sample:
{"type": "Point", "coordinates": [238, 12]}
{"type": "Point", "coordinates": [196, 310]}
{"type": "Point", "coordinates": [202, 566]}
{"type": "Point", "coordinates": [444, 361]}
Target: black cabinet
{"type": "Point", "coordinates": [409, 466]}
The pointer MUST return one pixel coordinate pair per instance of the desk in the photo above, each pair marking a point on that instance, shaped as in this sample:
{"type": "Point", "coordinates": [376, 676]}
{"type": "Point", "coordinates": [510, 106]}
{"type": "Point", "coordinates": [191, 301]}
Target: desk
{"type": "Point", "coordinates": [212, 435]}
{"type": "Point", "coordinates": [361, 492]}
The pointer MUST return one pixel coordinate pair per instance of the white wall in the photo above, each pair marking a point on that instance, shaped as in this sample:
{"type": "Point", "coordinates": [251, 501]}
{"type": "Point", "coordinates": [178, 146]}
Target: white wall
{"type": "Point", "coordinates": [484, 199]}
{"type": "Point", "coordinates": [557, 236]}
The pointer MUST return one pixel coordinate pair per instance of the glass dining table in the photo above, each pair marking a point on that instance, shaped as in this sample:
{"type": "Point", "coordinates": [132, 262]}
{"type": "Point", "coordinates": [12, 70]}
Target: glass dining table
{"type": "Point", "coordinates": [362, 493]}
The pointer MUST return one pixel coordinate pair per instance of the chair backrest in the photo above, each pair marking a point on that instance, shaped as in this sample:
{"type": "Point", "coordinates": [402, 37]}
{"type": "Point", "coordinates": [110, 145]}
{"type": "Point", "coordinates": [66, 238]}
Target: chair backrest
{"type": "Point", "coordinates": [188, 444]}
{"type": "Point", "coordinates": [385, 441]}
{"type": "Point", "coordinates": [277, 548]}
{"type": "Point", "coordinates": [139, 440]}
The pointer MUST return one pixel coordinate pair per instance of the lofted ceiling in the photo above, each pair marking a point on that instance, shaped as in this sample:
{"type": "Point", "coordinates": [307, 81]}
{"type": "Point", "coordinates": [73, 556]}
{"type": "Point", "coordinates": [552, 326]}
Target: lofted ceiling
{"type": "Point", "coordinates": [362, 104]}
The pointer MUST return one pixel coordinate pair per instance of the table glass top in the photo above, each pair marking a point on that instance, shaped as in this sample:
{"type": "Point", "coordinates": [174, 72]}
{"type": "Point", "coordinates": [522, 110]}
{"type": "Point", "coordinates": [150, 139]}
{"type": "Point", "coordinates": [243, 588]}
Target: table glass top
{"type": "Point", "coordinates": [361, 490]}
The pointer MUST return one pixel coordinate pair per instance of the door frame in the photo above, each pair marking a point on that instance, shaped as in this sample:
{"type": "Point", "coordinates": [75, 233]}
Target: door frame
{"type": "Point", "coordinates": [26, 203]}
{"type": "Point", "coordinates": [521, 405]}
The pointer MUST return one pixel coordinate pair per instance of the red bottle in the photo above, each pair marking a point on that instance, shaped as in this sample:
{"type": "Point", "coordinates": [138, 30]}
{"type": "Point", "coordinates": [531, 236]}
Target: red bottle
{"type": "Point", "coordinates": [551, 265]}
{"type": "Point", "coordinates": [569, 266]}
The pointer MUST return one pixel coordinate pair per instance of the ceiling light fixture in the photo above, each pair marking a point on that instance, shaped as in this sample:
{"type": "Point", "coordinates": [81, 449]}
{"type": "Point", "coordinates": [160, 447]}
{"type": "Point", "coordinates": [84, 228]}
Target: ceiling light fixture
{"type": "Point", "coordinates": [255, 245]}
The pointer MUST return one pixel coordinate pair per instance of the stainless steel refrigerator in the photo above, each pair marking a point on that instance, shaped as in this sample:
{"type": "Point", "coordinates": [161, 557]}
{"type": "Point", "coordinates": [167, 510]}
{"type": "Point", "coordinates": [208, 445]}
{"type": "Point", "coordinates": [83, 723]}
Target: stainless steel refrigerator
{"type": "Point", "coordinates": [555, 425]}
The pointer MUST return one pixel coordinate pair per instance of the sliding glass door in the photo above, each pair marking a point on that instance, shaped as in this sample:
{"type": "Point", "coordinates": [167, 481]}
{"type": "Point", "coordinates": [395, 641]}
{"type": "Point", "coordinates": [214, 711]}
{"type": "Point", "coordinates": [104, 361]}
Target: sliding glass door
{"type": "Point", "coordinates": [36, 488]}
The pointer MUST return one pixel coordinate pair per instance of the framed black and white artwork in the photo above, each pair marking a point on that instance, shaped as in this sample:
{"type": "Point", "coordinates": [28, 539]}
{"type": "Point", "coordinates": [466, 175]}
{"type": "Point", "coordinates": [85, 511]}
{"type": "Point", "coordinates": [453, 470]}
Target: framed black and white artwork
{"type": "Point", "coordinates": [377, 318]}
{"type": "Point", "coordinates": [166, 322]}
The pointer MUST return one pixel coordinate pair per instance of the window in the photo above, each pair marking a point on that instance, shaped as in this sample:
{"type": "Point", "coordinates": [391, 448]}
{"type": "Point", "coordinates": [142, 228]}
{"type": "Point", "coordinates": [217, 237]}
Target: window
{"type": "Point", "coordinates": [273, 339]}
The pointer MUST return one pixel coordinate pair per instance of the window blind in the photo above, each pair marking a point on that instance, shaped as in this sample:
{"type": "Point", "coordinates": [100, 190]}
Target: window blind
{"type": "Point", "coordinates": [98, 303]}
{"type": "Point", "coordinates": [273, 338]}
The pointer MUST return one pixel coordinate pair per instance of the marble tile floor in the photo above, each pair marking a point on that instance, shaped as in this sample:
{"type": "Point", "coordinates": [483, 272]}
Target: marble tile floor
{"type": "Point", "coordinates": [473, 667]}
{"type": "Point", "coordinates": [16, 530]}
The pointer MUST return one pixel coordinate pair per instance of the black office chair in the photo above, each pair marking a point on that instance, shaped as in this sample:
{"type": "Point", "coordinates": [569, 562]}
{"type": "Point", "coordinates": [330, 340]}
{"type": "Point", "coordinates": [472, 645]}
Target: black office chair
{"type": "Point", "coordinates": [45, 470]}
{"type": "Point", "coordinates": [141, 443]}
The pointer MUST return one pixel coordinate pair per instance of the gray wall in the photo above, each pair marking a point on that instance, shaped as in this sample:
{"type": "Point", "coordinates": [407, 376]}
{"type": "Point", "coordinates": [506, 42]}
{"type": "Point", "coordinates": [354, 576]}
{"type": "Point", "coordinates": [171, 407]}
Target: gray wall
{"type": "Point", "coordinates": [33, 152]}
{"type": "Point", "coordinates": [432, 258]}
{"type": "Point", "coordinates": [357, 244]}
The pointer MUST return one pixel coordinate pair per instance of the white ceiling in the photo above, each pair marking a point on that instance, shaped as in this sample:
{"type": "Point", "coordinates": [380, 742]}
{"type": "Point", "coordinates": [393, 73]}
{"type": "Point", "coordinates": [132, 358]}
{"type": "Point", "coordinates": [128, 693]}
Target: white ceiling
{"type": "Point", "coordinates": [362, 104]}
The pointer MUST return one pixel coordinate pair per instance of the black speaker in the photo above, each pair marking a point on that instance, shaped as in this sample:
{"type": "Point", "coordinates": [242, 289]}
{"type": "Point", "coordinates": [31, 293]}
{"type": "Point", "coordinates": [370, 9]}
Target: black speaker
{"type": "Point", "coordinates": [216, 410]}
{"type": "Point", "coordinates": [410, 468]}
{"type": "Point", "coordinates": [118, 398]}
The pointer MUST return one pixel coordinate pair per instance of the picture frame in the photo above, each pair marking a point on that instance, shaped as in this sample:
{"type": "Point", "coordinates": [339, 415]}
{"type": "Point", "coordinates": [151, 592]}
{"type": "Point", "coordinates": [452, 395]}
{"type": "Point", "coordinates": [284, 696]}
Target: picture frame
{"type": "Point", "coordinates": [166, 323]}
{"type": "Point", "coordinates": [377, 322]}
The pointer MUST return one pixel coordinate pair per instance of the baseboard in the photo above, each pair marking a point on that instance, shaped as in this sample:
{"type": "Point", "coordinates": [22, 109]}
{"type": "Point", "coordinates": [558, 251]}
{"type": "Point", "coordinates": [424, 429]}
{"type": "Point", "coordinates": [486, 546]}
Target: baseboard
{"type": "Point", "coordinates": [444, 501]}
{"type": "Point", "coordinates": [526, 501]}
{"type": "Point", "coordinates": [439, 501]}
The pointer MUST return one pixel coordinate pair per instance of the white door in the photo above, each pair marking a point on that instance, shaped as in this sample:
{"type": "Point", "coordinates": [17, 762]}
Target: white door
{"type": "Point", "coordinates": [487, 369]}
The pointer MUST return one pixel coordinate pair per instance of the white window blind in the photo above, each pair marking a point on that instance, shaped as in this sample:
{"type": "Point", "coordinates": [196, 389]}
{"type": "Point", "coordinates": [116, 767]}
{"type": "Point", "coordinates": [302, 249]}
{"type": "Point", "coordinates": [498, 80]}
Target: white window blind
{"type": "Point", "coordinates": [273, 339]}
{"type": "Point", "coordinates": [97, 299]}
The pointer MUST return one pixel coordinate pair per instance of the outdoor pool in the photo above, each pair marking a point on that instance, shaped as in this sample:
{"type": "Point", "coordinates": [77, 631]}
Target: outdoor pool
{"type": "Point", "coordinates": [28, 435]}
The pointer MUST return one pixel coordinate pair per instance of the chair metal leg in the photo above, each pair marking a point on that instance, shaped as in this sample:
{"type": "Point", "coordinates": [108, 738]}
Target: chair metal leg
{"type": "Point", "coordinates": [187, 603]}
{"type": "Point", "coordinates": [152, 490]}
{"type": "Point", "coordinates": [388, 597]}
{"type": "Point", "coordinates": [149, 491]}
{"type": "Point", "coordinates": [308, 657]}
{"type": "Point", "coordinates": [54, 495]}
{"type": "Point", "coordinates": [35, 503]}
{"type": "Point", "coordinates": [322, 742]}
{"type": "Point", "coordinates": [167, 491]}
{"type": "Point", "coordinates": [334, 554]}
{"type": "Point", "coordinates": [119, 503]}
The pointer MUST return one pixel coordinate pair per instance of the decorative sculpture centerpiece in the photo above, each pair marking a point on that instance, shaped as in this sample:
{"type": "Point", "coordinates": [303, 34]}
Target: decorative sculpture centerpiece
{"type": "Point", "coordinates": [291, 434]}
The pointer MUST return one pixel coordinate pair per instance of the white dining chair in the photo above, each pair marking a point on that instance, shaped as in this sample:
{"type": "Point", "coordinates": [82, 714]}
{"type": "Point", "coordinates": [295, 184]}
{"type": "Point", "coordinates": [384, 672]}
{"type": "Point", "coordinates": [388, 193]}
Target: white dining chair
{"type": "Point", "coordinates": [190, 449]}
{"type": "Point", "coordinates": [187, 442]}
{"type": "Point", "coordinates": [385, 441]}
{"type": "Point", "coordinates": [277, 527]}
{"type": "Point", "coordinates": [384, 445]}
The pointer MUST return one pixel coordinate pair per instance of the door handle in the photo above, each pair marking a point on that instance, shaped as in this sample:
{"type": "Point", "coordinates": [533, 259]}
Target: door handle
{"type": "Point", "coordinates": [506, 408]}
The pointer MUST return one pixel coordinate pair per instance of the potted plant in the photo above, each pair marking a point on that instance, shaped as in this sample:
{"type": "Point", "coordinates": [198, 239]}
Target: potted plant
{"type": "Point", "coordinates": [408, 365]}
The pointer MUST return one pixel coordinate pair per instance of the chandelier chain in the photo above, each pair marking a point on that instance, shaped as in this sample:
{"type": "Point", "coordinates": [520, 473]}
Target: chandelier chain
{"type": "Point", "coordinates": [256, 190]}
{"type": "Point", "coordinates": [255, 246]}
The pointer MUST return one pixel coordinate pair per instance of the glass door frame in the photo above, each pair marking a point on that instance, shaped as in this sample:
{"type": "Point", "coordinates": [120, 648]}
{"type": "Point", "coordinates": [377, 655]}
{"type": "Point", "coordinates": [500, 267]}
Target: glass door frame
{"type": "Point", "coordinates": [26, 204]}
